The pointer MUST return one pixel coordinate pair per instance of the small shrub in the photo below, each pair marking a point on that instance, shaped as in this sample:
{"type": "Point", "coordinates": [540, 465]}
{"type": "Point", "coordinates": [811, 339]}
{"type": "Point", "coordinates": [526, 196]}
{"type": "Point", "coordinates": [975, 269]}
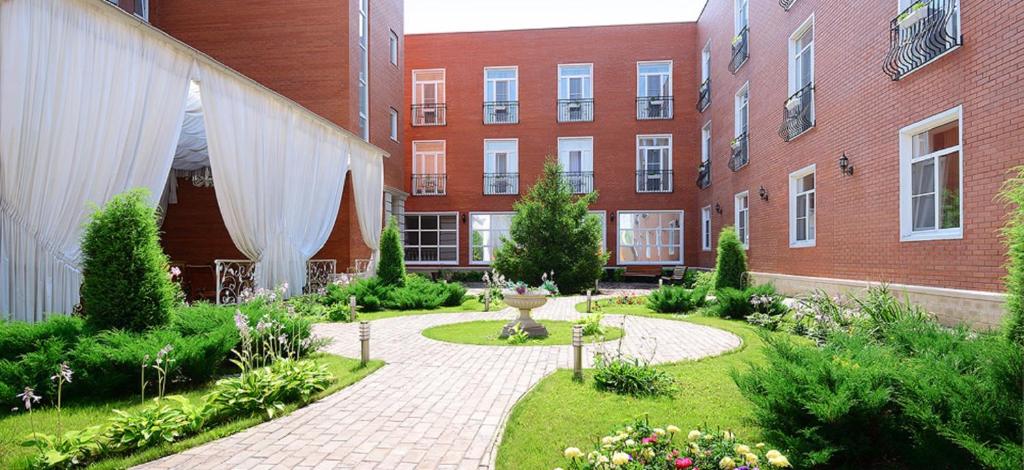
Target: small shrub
{"type": "Point", "coordinates": [882, 308]}
{"type": "Point", "coordinates": [166, 421]}
{"type": "Point", "coordinates": [819, 315]}
{"type": "Point", "coordinates": [731, 265]}
{"type": "Point", "coordinates": [630, 376]}
{"type": "Point", "coordinates": [17, 338]}
{"type": "Point", "coordinates": [266, 390]}
{"type": "Point", "coordinates": [338, 312]}
{"type": "Point", "coordinates": [68, 450]}
{"type": "Point", "coordinates": [312, 306]}
{"type": "Point", "coordinates": [391, 268]}
{"type": "Point", "coordinates": [125, 279]}
{"type": "Point", "coordinates": [763, 320]}
{"type": "Point", "coordinates": [675, 299]}
{"type": "Point", "coordinates": [455, 294]}
{"type": "Point", "coordinates": [613, 274]}
{"type": "Point", "coordinates": [591, 324]}
{"type": "Point", "coordinates": [739, 304]}
{"type": "Point", "coordinates": [517, 335]}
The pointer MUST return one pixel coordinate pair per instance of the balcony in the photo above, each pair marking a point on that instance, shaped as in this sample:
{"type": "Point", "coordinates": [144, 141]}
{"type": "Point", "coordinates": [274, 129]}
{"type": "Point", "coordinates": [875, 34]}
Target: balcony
{"type": "Point", "coordinates": [501, 184]}
{"type": "Point", "coordinates": [429, 185]}
{"type": "Point", "coordinates": [704, 175]}
{"type": "Point", "coordinates": [581, 182]}
{"type": "Point", "coordinates": [654, 181]}
{"type": "Point", "coordinates": [920, 34]}
{"type": "Point", "coordinates": [704, 95]}
{"type": "Point", "coordinates": [740, 50]}
{"type": "Point", "coordinates": [576, 110]}
{"type": "Point", "coordinates": [653, 107]}
{"type": "Point", "coordinates": [501, 112]}
{"type": "Point", "coordinates": [428, 114]}
{"type": "Point", "coordinates": [798, 113]}
{"type": "Point", "coordinates": [786, 4]}
{"type": "Point", "coordinates": [738, 158]}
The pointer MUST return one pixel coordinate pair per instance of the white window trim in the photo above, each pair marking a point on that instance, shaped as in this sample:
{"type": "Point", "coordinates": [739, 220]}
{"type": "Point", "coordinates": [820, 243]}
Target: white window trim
{"type": "Point", "coordinates": [510, 170]}
{"type": "Point", "coordinates": [706, 238]}
{"type": "Point", "coordinates": [793, 179]}
{"type": "Point", "coordinates": [654, 62]}
{"type": "Point", "coordinates": [705, 62]}
{"type": "Point", "coordinates": [457, 241]}
{"type": "Point", "coordinates": [515, 81]}
{"type": "Point", "coordinates": [906, 134]}
{"type": "Point", "coordinates": [444, 78]}
{"type": "Point", "coordinates": [792, 48]}
{"type": "Point", "coordinates": [682, 238]}
{"type": "Point", "coordinates": [469, 233]}
{"type": "Point", "coordinates": [444, 146]}
{"type": "Point", "coordinates": [705, 144]}
{"type": "Point", "coordinates": [737, 25]}
{"type": "Point", "coordinates": [653, 136]}
{"type": "Point", "coordinates": [395, 51]}
{"type": "Point", "coordinates": [737, 130]}
{"type": "Point", "coordinates": [593, 88]}
{"type": "Point", "coordinates": [393, 124]}
{"type": "Point", "coordinates": [736, 216]}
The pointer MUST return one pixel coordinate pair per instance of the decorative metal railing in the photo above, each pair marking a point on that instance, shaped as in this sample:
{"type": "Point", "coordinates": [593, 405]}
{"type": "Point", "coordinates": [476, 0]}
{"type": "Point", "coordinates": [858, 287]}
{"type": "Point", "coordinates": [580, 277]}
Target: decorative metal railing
{"type": "Point", "coordinates": [738, 158]}
{"type": "Point", "coordinates": [653, 107]}
{"type": "Point", "coordinates": [429, 185]}
{"type": "Point", "coordinates": [581, 182]}
{"type": "Point", "coordinates": [501, 112]}
{"type": "Point", "coordinates": [921, 33]}
{"type": "Point", "coordinates": [429, 114]}
{"type": "Point", "coordinates": [236, 280]}
{"type": "Point", "coordinates": [576, 110]}
{"type": "Point", "coordinates": [704, 174]}
{"type": "Point", "coordinates": [704, 95]}
{"type": "Point", "coordinates": [654, 181]}
{"type": "Point", "coordinates": [501, 183]}
{"type": "Point", "coordinates": [740, 49]}
{"type": "Point", "coordinates": [319, 273]}
{"type": "Point", "coordinates": [797, 113]}
{"type": "Point", "coordinates": [786, 4]}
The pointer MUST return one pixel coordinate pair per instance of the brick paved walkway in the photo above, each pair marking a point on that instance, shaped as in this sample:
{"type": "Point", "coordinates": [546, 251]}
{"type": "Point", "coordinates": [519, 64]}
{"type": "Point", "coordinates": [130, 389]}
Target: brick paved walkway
{"type": "Point", "coordinates": [435, 404]}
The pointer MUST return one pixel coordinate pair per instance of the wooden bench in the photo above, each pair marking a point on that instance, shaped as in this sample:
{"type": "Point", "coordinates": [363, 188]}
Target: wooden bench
{"type": "Point", "coordinates": [678, 276]}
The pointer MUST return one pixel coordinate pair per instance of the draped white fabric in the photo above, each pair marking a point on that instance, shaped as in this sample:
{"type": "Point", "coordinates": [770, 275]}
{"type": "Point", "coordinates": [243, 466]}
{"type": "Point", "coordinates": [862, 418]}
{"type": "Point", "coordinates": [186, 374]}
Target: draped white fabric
{"type": "Point", "coordinates": [368, 187]}
{"type": "Point", "coordinates": [279, 176]}
{"type": "Point", "coordinates": [191, 153]}
{"type": "Point", "coordinates": [88, 108]}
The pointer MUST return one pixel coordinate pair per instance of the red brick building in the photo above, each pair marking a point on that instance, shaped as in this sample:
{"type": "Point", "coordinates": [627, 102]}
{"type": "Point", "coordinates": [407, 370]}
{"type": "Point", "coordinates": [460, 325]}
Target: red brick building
{"type": "Point", "coordinates": [850, 142]}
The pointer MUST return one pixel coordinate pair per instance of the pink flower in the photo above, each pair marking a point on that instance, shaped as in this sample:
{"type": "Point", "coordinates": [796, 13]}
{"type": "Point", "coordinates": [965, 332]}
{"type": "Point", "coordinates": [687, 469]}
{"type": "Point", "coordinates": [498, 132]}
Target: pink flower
{"type": "Point", "coordinates": [684, 463]}
{"type": "Point", "coordinates": [175, 271]}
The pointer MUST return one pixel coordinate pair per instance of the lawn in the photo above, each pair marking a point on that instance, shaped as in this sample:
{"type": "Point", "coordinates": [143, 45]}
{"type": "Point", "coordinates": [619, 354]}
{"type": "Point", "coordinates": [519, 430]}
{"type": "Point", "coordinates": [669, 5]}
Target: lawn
{"type": "Point", "coordinates": [560, 413]}
{"type": "Point", "coordinates": [609, 306]}
{"type": "Point", "coordinates": [14, 427]}
{"type": "Point", "coordinates": [485, 333]}
{"type": "Point", "coordinates": [472, 304]}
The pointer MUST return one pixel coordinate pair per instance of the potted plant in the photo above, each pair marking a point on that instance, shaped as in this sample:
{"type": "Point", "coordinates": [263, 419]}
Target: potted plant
{"type": "Point", "coordinates": [736, 39]}
{"type": "Point", "coordinates": [735, 143]}
{"type": "Point", "coordinates": [521, 296]}
{"type": "Point", "coordinates": [792, 104]}
{"type": "Point", "coordinates": [912, 15]}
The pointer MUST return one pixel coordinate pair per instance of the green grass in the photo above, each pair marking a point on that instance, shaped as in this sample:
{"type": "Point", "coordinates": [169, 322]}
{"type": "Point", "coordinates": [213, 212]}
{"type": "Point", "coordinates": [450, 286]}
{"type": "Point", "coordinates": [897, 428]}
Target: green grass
{"type": "Point", "coordinates": [559, 413]}
{"type": "Point", "coordinates": [472, 304]}
{"type": "Point", "coordinates": [610, 307]}
{"type": "Point", "coordinates": [14, 427]}
{"type": "Point", "coordinates": [485, 333]}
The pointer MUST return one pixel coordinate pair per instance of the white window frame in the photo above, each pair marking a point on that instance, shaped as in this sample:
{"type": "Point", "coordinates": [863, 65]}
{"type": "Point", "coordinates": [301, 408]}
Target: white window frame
{"type": "Point", "coordinates": [744, 105]}
{"type": "Point", "coordinates": [642, 92]}
{"type": "Point", "coordinates": [705, 142]}
{"type": "Point", "coordinates": [364, 69]}
{"type": "Point", "coordinates": [682, 239]}
{"type": "Point", "coordinates": [794, 179]}
{"type": "Point", "coordinates": [740, 21]}
{"type": "Point", "coordinates": [393, 124]}
{"type": "Point", "coordinates": [417, 95]}
{"type": "Point", "coordinates": [705, 228]}
{"type": "Point", "coordinates": [512, 159]}
{"type": "Point", "coordinates": [513, 87]}
{"type": "Point", "coordinates": [586, 158]}
{"type": "Point", "coordinates": [393, 46]}
{"type": "Point", "coordinates": [641, 159]}
{"type": "Point", "coordinates": [590, 77]}
{"type": "Point", "coordinates": [417, 156]}
{"type": "Point", "coordinates": [907, 159]}
{"type": "Point", "coordinates": [745, 214]}
{"type": "Point", "coordinates": [705, 62]}
{"type": "Point", "coordinates": [469, 232]}
{"type": "Point", "coordinates": [794, 77]}
{"type": "Point", "coordinates": [438, 246]}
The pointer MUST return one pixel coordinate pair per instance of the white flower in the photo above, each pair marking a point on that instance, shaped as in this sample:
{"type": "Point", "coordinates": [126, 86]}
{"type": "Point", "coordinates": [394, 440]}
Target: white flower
{"type": "Point", "coordinates": [694, 435]}
{"type": "Point", "coordinates": [572, 453]}
{"type": "Point", "coordinates": [620, 458]}
{"type": "Point", "coordinates": [672, 429]}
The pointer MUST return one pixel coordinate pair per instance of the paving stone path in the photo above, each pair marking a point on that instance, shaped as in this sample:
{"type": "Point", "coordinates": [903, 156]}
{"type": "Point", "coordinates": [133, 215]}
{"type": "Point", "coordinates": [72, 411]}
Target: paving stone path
{"type": "Point", "coordinates": [435, 404]}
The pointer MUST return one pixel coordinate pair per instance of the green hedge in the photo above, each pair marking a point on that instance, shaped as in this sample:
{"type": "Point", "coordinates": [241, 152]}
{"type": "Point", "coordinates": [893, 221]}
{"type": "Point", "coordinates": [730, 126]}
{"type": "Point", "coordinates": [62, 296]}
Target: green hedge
{"type": "Point", "coordinates": [415, 293]}
{"type": "Point", "coordinates": [676, 299]}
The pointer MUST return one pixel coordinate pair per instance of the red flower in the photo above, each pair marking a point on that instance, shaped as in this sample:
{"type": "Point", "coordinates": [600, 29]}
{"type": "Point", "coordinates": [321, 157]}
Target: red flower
{"type": "Point", "coordinates": [684, 463]}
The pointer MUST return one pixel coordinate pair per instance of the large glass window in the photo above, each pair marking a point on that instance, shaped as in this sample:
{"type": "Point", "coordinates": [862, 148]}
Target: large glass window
{"type": "Point", "coordinates": [741, 213]}
{"type": "Point", "coordinates": [575, 82]}
{"type": "Point", "coordinates": [705, 228]}
{"type": "Point", "coordinates": [486, 234]}
{"type": "Point", "coordinates": [654, 79]}
{"type": "Point", "coordinates": [931, 179]}
{"type": "Point", "coordinates": [501, 84]}
{"type": "Point", "coordinates": [654, 163]}
{"type": "Point", "coordinates": [802, 207]}
{"type": "Point", "coordinates": [654, 237]}
{"type": "Point", "coordinates": [431, 238]}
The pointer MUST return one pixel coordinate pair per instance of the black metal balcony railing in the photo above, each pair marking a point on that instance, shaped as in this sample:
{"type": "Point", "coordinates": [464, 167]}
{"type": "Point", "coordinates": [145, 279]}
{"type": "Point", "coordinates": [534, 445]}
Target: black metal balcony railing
{"type": "Point", "coordinates": [797, 113]}
{"type": "Point", "coordinates": [428, 114]}
{"type": "Point", "coordinates": [576, 110]}
{"type": "Point", "coordinates": [653, 107]}
{"type": "Point", "coordinates": [501, 112]}
{"type": "Point", "coordinates": [786, 4]}
{"type": "Point", "coordinates": [581, 182]}
{"type": "Point", "coordinates": [738, 158]}
{"type": "Point", "coordinates": [704, 174]}
{"type": "Point", "coordinates": [429, 185]}
{"type": "Point", "coordinates": [704, 95]}
{"type": "Point", "coordinates": [740, 50]}
{"type": "Point", "coordinates": [921, 33]}
{"type": "Point", "coordinates": [501, 183]}
{"type": "Point", "coordinates": [654, 181]}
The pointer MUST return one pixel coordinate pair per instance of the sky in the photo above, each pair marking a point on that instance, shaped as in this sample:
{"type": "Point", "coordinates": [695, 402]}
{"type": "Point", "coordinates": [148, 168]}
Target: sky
{"type": "Point", "coordinates": [439, 16]}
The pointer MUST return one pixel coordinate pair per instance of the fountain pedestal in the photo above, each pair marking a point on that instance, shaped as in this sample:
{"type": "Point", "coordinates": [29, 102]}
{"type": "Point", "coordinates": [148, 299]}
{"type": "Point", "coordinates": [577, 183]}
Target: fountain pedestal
{"type": "Point", "coordinates": [525, 303]}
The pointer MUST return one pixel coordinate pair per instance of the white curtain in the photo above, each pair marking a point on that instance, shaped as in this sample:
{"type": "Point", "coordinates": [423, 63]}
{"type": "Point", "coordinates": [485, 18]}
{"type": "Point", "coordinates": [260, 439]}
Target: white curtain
{"type": "Point", "coordinates": [368, 188]}
{"type": "Point", "coordinates": [89, 107]}
{"type": "Point", "coordinates": [279, 175]}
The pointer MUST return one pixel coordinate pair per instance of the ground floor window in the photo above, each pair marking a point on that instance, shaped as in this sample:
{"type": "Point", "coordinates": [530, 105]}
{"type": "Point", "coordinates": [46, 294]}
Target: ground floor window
{"type": "Point", "coordinates": [705, 228]}
{"type": "Point", "coordinates": [486, 234]}
{"type": "Point", "coordinates": [802, 207]}
{"type": "Point", "coordinates": [431, 238]}
{"type": "Point", "coordinates": [931, 178]}
{"type": "Point", "coordinates": [653, 237]}
{"type": "Point", "coordinates": [742, 215]}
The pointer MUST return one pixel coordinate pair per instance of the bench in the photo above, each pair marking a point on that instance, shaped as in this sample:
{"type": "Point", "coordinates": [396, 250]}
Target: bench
{"type": "Point", "coordinates": [678, 276]}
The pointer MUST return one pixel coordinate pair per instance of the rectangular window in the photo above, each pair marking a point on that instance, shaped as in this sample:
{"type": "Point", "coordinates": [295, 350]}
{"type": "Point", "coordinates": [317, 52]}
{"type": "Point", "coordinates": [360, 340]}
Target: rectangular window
{"type": "Point", "coordinates": [705, 228]}
{"type": "Point", "coordinates": [501, 166]}
{"type": "Point", "coordinates": [742, 15]}
{"type": "Point", "coordinates": [576, 155]}
{"type": "Point", "coordinates": [394, 124]}
{"type": "Point", "coordinates": [575, 82]}
{"type": "Point", "coordinates": [654, 237]}
{"type": "Point", "coordinates": [141, 8]}
{"type": "Point", "coordinates": [431, 238]}
{"type": "Point", "coordinates": [428, 97]}
{"type": "Point", "coordinates": [802, 207]}
{"type": "Point", "coordinates": [654, 163]}
{"type": "Point", "coordinates": [931, 178]}
{"type": "Point", "coordinates": [801, 56]}
{"type": "Point", "coordinates": [654, 79]}
{"type": "Point", "coordinates": [705, 62]}
{"type": "Point", "coordinates": [742, 216]}
{"type": "Point", "coordinates": [742, 111]}
{"type": "Point", "coordinates": [705, 143]}
{"type": "Point", "coordinates": [364, 70]}
{"type": "Point", "coordinates": [393, 46]}
{"type": "Point", "coordinates": [501, 84]}
{"type": "Point", "coordinates": [486, 233]}
{"type": "Point", "coordinates": [429, 173]}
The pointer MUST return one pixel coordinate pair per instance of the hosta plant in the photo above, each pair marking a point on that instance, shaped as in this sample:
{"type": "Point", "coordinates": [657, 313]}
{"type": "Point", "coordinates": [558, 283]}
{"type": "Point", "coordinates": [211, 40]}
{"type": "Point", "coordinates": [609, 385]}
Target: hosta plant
{"type": "Point", "coordinates": [591, 324]}
{"type": "Point", "coordinates": [168, 420]}
{"type": "Point", "coordinates": [72, 449]}
{"type": "Point", "coordinates": [266, 389]}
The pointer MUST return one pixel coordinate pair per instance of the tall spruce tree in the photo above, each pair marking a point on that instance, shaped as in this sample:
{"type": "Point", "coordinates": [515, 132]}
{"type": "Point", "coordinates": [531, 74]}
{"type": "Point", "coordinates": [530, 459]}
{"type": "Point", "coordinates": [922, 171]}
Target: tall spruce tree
{"type": "Point", "coordinates": [731, 266]}
{"type": "Point", "coordinates": [391, 269]}
{"type": "Point", "coordinates": [1013, 192]}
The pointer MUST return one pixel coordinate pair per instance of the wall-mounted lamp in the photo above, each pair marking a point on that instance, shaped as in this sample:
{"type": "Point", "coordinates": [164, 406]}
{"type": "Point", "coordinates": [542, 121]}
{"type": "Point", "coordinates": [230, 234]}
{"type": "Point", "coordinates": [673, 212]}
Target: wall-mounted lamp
{"type": "Point", "coordinates": [612, 216]}
{"type": "Point", "coordinates": [463, 218]}
{"type": "Point", "coordinates": [844, 165]}
{"type": "Point", "coordinates": [763, 193]}
{"type": "Point", "coordinates": [718, 208]}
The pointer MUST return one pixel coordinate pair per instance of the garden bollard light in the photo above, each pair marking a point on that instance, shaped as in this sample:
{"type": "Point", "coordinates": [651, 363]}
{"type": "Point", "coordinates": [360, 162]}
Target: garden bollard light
{"type": "Point", "coordinates": [487, 300]}
{"type": "Point", "coordinates": [661, 282]}
{"type": "Point", "coordinates": [351, 308]}
{"type": "Point", "coordinates": [577, 352]}
{"type": "Point", "coordinates": [589, 291]}
{"type": "Point", "coordinates": [364, 340]}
